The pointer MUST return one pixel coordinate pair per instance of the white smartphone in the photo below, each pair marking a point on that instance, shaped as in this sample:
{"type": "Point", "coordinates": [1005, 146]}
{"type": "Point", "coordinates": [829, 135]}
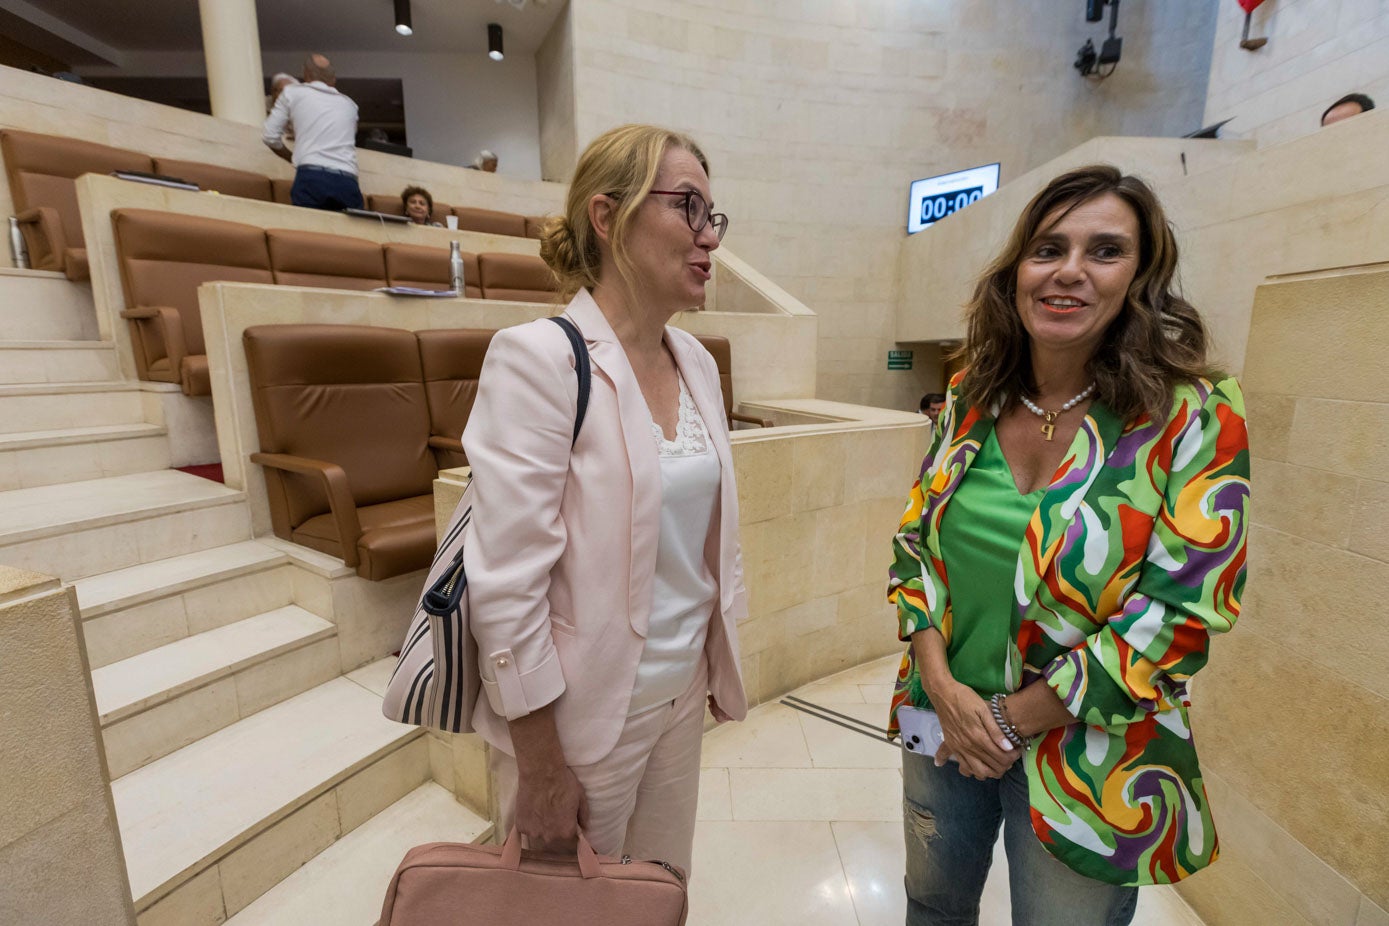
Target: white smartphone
{"type": "Point", "coordinates": [921, 732]}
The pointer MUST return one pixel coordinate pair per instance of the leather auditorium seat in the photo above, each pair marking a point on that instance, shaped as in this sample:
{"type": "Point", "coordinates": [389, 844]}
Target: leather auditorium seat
{"type": "Point", "coordinates": [279, 190]}
{"type": "Point", "coordinates": [490, 221]}
{"type": "Point", "coordinates": [301, 258]}
{"type": "Point", "coordinates": [718, 346]}
{"type": "Point", "coordinates": [424, 267]}
{"type": "Point", "coordinates": [225, 180]}
{"type": "Point", "coordinates": [452, 362]}
{"type": "Point", "coordinates": [344, 435]}
{"type": "Point", "coordinates": [42, 171]}
{"type": "Point", "coordinates": [517, 277]}
{"type": "Point", "coordinates": [391, 205]}
{"type": "Point", "coordinates": [164, 258]}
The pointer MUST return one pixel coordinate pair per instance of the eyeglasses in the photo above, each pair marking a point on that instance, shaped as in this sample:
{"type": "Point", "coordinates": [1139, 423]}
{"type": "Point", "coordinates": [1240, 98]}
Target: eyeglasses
{"type": "Point", "coordinates": [697, 213]}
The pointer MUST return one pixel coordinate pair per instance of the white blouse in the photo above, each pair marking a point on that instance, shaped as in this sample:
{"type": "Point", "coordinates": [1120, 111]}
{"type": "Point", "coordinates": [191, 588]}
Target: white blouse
{"type": "Point", "coordinates": [684, 592]}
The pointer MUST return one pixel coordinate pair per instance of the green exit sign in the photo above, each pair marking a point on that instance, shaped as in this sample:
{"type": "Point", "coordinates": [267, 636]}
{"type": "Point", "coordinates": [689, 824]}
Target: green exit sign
{"type": "Point", "coordinates": [899, 360]}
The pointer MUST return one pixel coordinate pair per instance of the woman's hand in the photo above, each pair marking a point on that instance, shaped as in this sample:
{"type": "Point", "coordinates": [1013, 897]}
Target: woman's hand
{"type": "Point", "coordinates": [719, 715]}
{"type": "Point", "coordinates": [550, 802]}
{"type": "Point", "coordinates": [971, 734]}
{"type": "Point", "coordinates": [550, 808]}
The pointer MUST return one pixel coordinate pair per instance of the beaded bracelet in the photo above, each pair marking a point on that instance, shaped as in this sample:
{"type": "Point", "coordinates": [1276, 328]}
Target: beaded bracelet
{"type": "Point", "coordinates": [1012, 733]}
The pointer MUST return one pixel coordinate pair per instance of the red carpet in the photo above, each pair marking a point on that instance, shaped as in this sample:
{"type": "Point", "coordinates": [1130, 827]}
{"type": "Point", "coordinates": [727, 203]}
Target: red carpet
{"type": "Point", "coordinates": [211, 471]}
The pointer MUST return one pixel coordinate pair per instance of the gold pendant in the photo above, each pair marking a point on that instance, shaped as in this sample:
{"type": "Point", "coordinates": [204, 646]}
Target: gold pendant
{"type": "Point", "coordinates": [1049, 429]}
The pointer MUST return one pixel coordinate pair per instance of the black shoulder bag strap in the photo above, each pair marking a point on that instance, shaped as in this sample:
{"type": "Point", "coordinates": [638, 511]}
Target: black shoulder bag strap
{"type": "Point", "coordinates": [581, 367]}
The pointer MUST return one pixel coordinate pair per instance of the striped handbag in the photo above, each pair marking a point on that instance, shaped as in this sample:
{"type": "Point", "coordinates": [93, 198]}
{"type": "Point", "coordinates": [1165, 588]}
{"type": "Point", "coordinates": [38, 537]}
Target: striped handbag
{"type": "Point", "coordinates": [435, 683]}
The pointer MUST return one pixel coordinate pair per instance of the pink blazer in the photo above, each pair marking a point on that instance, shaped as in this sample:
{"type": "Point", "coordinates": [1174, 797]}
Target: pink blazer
{"type": "Point", "coordinates": [562, 555]}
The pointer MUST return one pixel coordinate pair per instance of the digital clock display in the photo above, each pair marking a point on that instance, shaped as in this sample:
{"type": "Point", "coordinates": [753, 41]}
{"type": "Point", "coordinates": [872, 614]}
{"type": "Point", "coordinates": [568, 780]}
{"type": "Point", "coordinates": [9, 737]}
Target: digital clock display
{"type": "Point", "coordinates": [934, 198]}
{"type": "Point", "coordinates": [939, 205]}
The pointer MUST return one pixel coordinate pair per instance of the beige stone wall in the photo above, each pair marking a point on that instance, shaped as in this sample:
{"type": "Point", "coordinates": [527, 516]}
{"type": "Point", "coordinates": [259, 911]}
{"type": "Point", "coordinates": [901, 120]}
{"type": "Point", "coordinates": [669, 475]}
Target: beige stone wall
{"type": "Point", "coordinates": [818, 505]}
{"type": "Point", "coordinates": [817, 116]}
{"type": "Point", "coordinates": [1317, 52]}
{"type": "Point", "coordinates": [1242, 214]}
{"type": "Point", "coordinates": [1292, 714]}
{"type": "Point", "coordinates": [554, 79]}
{"type": "Point", "coordinates": [60, 850]}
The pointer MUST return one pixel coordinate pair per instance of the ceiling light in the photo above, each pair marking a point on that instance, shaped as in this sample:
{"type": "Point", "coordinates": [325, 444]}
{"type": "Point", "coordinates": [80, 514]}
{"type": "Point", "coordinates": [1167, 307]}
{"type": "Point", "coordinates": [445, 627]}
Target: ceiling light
{"type": "Point", "coordinates": [402, 17]}
{"type": "Point", "coordinates": [494, 41]}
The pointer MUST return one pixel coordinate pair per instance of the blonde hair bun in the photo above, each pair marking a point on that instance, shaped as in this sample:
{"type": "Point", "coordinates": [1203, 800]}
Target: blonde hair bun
{"type": "Point", "coordinates": [559, 249]}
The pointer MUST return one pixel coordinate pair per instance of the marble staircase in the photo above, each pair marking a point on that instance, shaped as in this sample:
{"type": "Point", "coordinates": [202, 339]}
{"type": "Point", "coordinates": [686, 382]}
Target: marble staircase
{"type": "Point", "coordinates": [238, 747]}
{"type": "Point", "coordinates": [58, 362]}
{"type": "Point", "coordinates": [78, 529]}
{"type": "Point", "coordinates": [42, 306]}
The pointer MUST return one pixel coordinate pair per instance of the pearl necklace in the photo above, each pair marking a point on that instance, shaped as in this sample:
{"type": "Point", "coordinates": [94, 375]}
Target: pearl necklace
{"type": "Point", "coordinates": [1050, 417]}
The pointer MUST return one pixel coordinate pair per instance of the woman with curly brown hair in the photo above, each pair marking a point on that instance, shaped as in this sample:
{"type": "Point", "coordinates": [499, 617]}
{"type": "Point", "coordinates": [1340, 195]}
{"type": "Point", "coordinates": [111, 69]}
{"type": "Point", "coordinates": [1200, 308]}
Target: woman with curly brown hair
{"type": "Point", "coordinates": [419, 205]}
{"type": "Point", "coordinates": [1075, 538]}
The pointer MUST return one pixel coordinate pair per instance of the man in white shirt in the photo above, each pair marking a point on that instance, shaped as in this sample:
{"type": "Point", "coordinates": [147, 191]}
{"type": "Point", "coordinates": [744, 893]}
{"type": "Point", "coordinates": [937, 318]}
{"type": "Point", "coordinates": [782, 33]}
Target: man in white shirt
{"type": "Point", "coordinates": [325, 135]}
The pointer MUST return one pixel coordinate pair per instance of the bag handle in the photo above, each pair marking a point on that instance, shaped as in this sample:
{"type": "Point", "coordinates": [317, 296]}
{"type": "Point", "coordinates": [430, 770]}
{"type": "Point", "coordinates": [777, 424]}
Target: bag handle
{"type": "Point", "coordinates": [588, 859]}
{"type": "Point", "coordinates": [581, 367]}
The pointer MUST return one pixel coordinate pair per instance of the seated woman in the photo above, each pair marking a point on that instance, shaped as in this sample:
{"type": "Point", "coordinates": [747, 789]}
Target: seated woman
{"type": "Point", "coordinates": [419, 205]}
{"type": "Point", "coordinates": [1076, 537]}
{"type": "Point", "coordinates": [605, 581]}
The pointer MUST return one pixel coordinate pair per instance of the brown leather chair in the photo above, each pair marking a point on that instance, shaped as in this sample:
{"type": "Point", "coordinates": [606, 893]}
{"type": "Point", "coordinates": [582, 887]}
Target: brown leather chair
{"type": "Point", "coordinates": [718, 346]}
{"type": "Point", "coordinates": [225, 180]}
{"type": "Point", "coordinates": [279, 190]}
{"type": "Point", "coordinates": [517, 277]}
{"type": "Point", "coordinates": [164, 258]}
{"type": "Point", "coordinates": [424, 267]}
{"type": "Point", "coordinates": [490, 221]}
{"type": "Point", "coordinates": [42, 170]}
{"type": "Point", "coordinates": [344, 436]}
{"type": "Point", "coordinates": [392, 205]}
{"type": "Point", "coordinates": [302, 258]}
{"type": "Point", "coordinates": [452, 362]}
{"type": "Point", "coordinates": [535, 224]}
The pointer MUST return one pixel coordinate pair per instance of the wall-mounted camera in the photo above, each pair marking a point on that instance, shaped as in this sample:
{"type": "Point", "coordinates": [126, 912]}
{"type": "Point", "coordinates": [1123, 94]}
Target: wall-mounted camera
{"type": "Point", "coordinates": [1091, 63]}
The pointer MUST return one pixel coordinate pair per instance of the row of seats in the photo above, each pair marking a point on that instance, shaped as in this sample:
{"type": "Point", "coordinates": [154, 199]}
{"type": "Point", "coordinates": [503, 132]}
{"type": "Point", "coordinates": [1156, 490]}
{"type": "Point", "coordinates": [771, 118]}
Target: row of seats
{"type": "Point", "coordinates": [164, 257]}
{"type": "Point", "coordinates": [43, 170]}
{"type": "Point", "coordinates": [354, 423]}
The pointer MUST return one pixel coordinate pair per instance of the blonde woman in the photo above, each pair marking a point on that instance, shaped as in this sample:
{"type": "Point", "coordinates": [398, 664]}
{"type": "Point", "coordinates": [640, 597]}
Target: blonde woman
{"type": "Point", "coordinates": [605, 581]}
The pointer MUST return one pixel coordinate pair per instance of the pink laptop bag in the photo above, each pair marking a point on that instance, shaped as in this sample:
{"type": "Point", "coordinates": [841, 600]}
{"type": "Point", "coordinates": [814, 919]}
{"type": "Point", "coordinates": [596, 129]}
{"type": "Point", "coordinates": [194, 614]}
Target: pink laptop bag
{"type": "Point", "coordinates": [452, 884]}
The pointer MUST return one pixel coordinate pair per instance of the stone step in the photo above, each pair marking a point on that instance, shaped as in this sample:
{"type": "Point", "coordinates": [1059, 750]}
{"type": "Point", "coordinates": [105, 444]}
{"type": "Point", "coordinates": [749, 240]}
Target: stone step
{"type": "Point", "coordinates": [41, 305]}
{"type": "Point", "coordinates": [139, 608]}
{"type": "Point", "coordinates": [39, 458]}
{"type": "Point", "coordinates": [164, 699]}
{"type": "Point", "coordinates": [222, 820]}
{"type": "Point", "coordinates": [345, 884]}
{"type": "Point", "coordinates": [79, 529]}
{"type": "Point", "coordinates": [58, 362]}
{"type": "Point", "coordinates": [50, 406]}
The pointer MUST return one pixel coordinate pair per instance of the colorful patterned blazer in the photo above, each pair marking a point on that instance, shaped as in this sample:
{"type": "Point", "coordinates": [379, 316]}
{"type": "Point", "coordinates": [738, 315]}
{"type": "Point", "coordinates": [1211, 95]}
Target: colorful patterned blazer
{"type": "Point", "coordinates": [1134, 558]}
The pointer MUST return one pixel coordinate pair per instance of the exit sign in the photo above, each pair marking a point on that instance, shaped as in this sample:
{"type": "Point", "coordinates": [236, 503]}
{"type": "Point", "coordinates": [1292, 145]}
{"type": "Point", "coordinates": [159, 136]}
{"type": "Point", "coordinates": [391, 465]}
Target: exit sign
{"type": "Point", "coordinates": [899, 360]}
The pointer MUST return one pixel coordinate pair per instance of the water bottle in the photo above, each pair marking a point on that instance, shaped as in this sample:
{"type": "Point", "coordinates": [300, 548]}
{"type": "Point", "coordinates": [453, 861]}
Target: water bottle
{"type": "Point", "coordinates": [456, 267]}
{"type": "Point", "coordinates": [17, 249]}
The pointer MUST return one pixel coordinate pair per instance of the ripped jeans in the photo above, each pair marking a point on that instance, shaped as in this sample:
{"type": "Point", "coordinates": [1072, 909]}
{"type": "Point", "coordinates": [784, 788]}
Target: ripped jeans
{"type": "Point", "coordinates": [951, 823]}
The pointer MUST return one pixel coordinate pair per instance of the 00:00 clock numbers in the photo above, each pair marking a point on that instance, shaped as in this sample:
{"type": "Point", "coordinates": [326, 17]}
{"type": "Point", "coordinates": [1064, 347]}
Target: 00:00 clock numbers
{"type": "Point", "coordinates": [934, 208]}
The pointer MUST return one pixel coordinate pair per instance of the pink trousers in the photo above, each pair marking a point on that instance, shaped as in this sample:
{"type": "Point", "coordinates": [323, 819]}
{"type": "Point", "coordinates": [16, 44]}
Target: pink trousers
{"type": "Point", "coordinates": [642, 796]}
